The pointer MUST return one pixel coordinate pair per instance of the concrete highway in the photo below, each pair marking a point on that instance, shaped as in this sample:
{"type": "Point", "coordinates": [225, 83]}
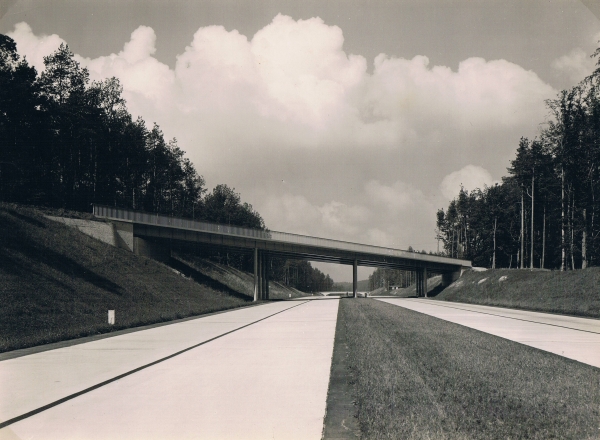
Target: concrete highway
{"type": "Point", "coordinates": [568, 336]}
{"type": "Point", "coordinates": [260, 372]}
{"type": "Point", "coordinates": [266, 378]}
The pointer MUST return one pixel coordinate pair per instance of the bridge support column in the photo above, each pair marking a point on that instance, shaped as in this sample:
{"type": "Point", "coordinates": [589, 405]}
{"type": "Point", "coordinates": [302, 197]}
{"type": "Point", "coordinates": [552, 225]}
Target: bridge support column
{"type": "Point", "coordinates": [267, 261]}
{"type": "Point", "coordinates": [151, 249]}
{"type": "Point", "coordinates": [424, 276]}
{"type": "Point", "coordinates": [260, 276]}
{"type": "Point", "coordinates": [255, 274]}
{"type": "Point", "coordinates": [263, 276]}
{"type": "Point", "coordinates": [354, 278]}
{"type": "Point", "coordinates": [418, 283]}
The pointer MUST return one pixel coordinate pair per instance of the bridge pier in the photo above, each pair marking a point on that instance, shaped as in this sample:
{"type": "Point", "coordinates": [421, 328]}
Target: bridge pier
{"type": "Point", "coordinates": [255, 274]}
{"type": "Point", "coordinates": [267, 260]}
{"type": "Point", "coordinates": [354, 278]}
{"type": "Point", "coordinates": [261, 275]}
{"type": "Point", "coordinates": [421, 282]}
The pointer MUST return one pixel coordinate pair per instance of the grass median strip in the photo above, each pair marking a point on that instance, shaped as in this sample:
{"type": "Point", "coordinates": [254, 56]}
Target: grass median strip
{"type": "Point", "coordinates": [418, 377]}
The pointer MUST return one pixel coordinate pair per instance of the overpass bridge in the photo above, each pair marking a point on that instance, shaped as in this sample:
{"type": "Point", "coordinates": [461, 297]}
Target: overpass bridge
{"type": "Point", "coordinates": [153, 235]}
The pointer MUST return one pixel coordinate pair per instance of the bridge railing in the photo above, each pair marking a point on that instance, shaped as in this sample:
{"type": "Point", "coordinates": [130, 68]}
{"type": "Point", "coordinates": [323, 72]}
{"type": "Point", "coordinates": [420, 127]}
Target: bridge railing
{"type": "Point", "coordinates": [129, 215]}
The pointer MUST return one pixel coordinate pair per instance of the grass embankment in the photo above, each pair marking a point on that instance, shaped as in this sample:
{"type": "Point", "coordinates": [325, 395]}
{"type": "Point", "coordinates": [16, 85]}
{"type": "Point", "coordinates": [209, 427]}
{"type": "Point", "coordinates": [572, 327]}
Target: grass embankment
{"type": "Point", "coordinates": [417, 377]}
{"type": "Point", "coordinates": [236, 279]}
{"type": "Point", "coordinates": [57, 283]}
{"type": "Point", "coordinates": [571, 292]}
{"type": "Point", "coordinates": [434, 286]}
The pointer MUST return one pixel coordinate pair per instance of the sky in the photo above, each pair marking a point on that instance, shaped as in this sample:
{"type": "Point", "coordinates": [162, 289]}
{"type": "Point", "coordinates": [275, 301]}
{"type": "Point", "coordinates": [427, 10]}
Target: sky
{"type": "Point", "coordinates": [345, 119]}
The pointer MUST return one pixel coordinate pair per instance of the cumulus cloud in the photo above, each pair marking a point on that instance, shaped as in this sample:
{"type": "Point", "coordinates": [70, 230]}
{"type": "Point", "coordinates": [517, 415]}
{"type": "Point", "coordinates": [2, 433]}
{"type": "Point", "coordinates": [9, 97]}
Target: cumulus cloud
{"type": "Point", "coordinates": [478, 95]}
{"type": "Point", "coordinates": [469, 177]}
{"type": "Point", "coordinates": [147, 83]}
{"type": "Point", "coordinates": [34, 47]}
{"type": "Point", "coordinates": [294, 85]}
{"type": "Point", "coordinates": [360, 151]}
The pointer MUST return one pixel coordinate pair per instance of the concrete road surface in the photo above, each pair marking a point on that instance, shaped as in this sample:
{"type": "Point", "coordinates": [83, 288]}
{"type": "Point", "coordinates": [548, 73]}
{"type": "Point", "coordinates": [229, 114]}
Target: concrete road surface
{"type": "Point", "coordinates": [571, 337]}
{"type": "Point", "coordinates": [265, 379]}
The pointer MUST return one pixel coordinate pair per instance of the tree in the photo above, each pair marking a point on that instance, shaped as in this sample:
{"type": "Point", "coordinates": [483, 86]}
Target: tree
{"type": "Point", "coordinates": [21, 126]}
{"type": "Point", "coordinates": [224, 205]}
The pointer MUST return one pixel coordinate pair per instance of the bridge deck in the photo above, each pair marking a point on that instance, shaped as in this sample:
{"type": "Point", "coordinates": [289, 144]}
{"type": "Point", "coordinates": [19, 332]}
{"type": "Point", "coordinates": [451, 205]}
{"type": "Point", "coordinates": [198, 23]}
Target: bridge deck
{"type": "Point", "coordinates": [286, 244]}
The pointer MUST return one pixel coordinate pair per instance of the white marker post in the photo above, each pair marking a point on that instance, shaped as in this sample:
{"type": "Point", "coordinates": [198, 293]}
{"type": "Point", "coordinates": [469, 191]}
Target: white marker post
{"type": "Point", "coordinates": [111, 317]}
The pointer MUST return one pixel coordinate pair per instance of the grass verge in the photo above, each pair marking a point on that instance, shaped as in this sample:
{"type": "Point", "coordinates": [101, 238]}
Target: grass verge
{"type": "Point", "coordinates": [418, 377]}
{"type": "Point", "coordinates": [57, 283]}
{"type": "Point", "coordinates": [434, 286]}
{"type": "Point", "coordinates": [570, 293]}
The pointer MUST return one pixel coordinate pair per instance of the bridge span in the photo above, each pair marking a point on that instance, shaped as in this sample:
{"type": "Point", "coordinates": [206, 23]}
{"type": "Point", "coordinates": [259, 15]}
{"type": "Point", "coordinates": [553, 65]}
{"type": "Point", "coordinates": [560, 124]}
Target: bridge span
{"type": "Point", "coordinates": [153, 235]}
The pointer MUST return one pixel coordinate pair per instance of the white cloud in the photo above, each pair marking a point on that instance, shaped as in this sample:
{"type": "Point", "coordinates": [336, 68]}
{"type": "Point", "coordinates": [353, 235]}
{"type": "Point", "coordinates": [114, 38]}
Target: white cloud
{"type": "Point", "coordinates": [576, 65]}
{"type": "Point", "coordinates": [480, 94]}
{"type": "Point", "coordinates": [293, 84]}
{"type": "Point", "coordinates": [469, 177]}
{"type": "Point", "coordinates": [290, 104]}
{"type": "Point", "coordinates": [146, 82]}
{"type": "Point", "coordinates": [34, 47]}
{"type": "Point", "coordinates": [398, 197]}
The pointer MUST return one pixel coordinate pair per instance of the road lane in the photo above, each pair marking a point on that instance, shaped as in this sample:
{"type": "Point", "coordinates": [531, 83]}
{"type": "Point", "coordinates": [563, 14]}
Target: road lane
{"type": "Point", "coordinates": [571, 337]}
{"type": "Point", "coordinates": [268, 380]}
{"type": "Point", "coordinates": [32, 381]}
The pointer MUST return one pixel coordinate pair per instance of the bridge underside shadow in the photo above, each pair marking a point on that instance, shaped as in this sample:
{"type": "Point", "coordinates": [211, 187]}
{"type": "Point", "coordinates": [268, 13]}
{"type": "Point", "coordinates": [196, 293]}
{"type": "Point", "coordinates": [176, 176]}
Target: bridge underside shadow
{"type": "Point", "coordinates": [155, 235]}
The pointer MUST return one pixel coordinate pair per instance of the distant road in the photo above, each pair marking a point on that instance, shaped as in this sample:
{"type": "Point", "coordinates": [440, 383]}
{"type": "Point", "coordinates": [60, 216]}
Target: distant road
{"type": "Point", "coordinates": [349, 293]}
{"type": "Point", "coordinates": [568, 336]}
{"type": "Point", "coordinates": [256, 373]}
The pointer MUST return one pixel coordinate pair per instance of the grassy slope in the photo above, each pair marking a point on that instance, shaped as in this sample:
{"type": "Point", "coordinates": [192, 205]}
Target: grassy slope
{"type": "Point", "coordinates": [236, 279]}
{"type": "Point", "coordinates": [57, 283]}
{"type": "Point", "coordinates": [572, 292]}
{"type": "Point", "coordinates": [433, 286]}
{"type": "Point", "coordinates": [418, 377]}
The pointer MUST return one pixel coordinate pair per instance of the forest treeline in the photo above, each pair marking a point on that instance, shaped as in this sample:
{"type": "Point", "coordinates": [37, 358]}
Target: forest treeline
{"type": "Point", "coordinates": [68, 142]}
{"type": "Point", "coordinates": [388, 278]}
{"type": "Point", "coordinates": [400, 278]}
{"type": "Point", "coordinates": [544, 214]}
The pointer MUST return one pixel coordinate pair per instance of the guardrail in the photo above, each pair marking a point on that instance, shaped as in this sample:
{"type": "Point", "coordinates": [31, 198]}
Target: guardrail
{"type": "Point", "coordinates": [129, 215]}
